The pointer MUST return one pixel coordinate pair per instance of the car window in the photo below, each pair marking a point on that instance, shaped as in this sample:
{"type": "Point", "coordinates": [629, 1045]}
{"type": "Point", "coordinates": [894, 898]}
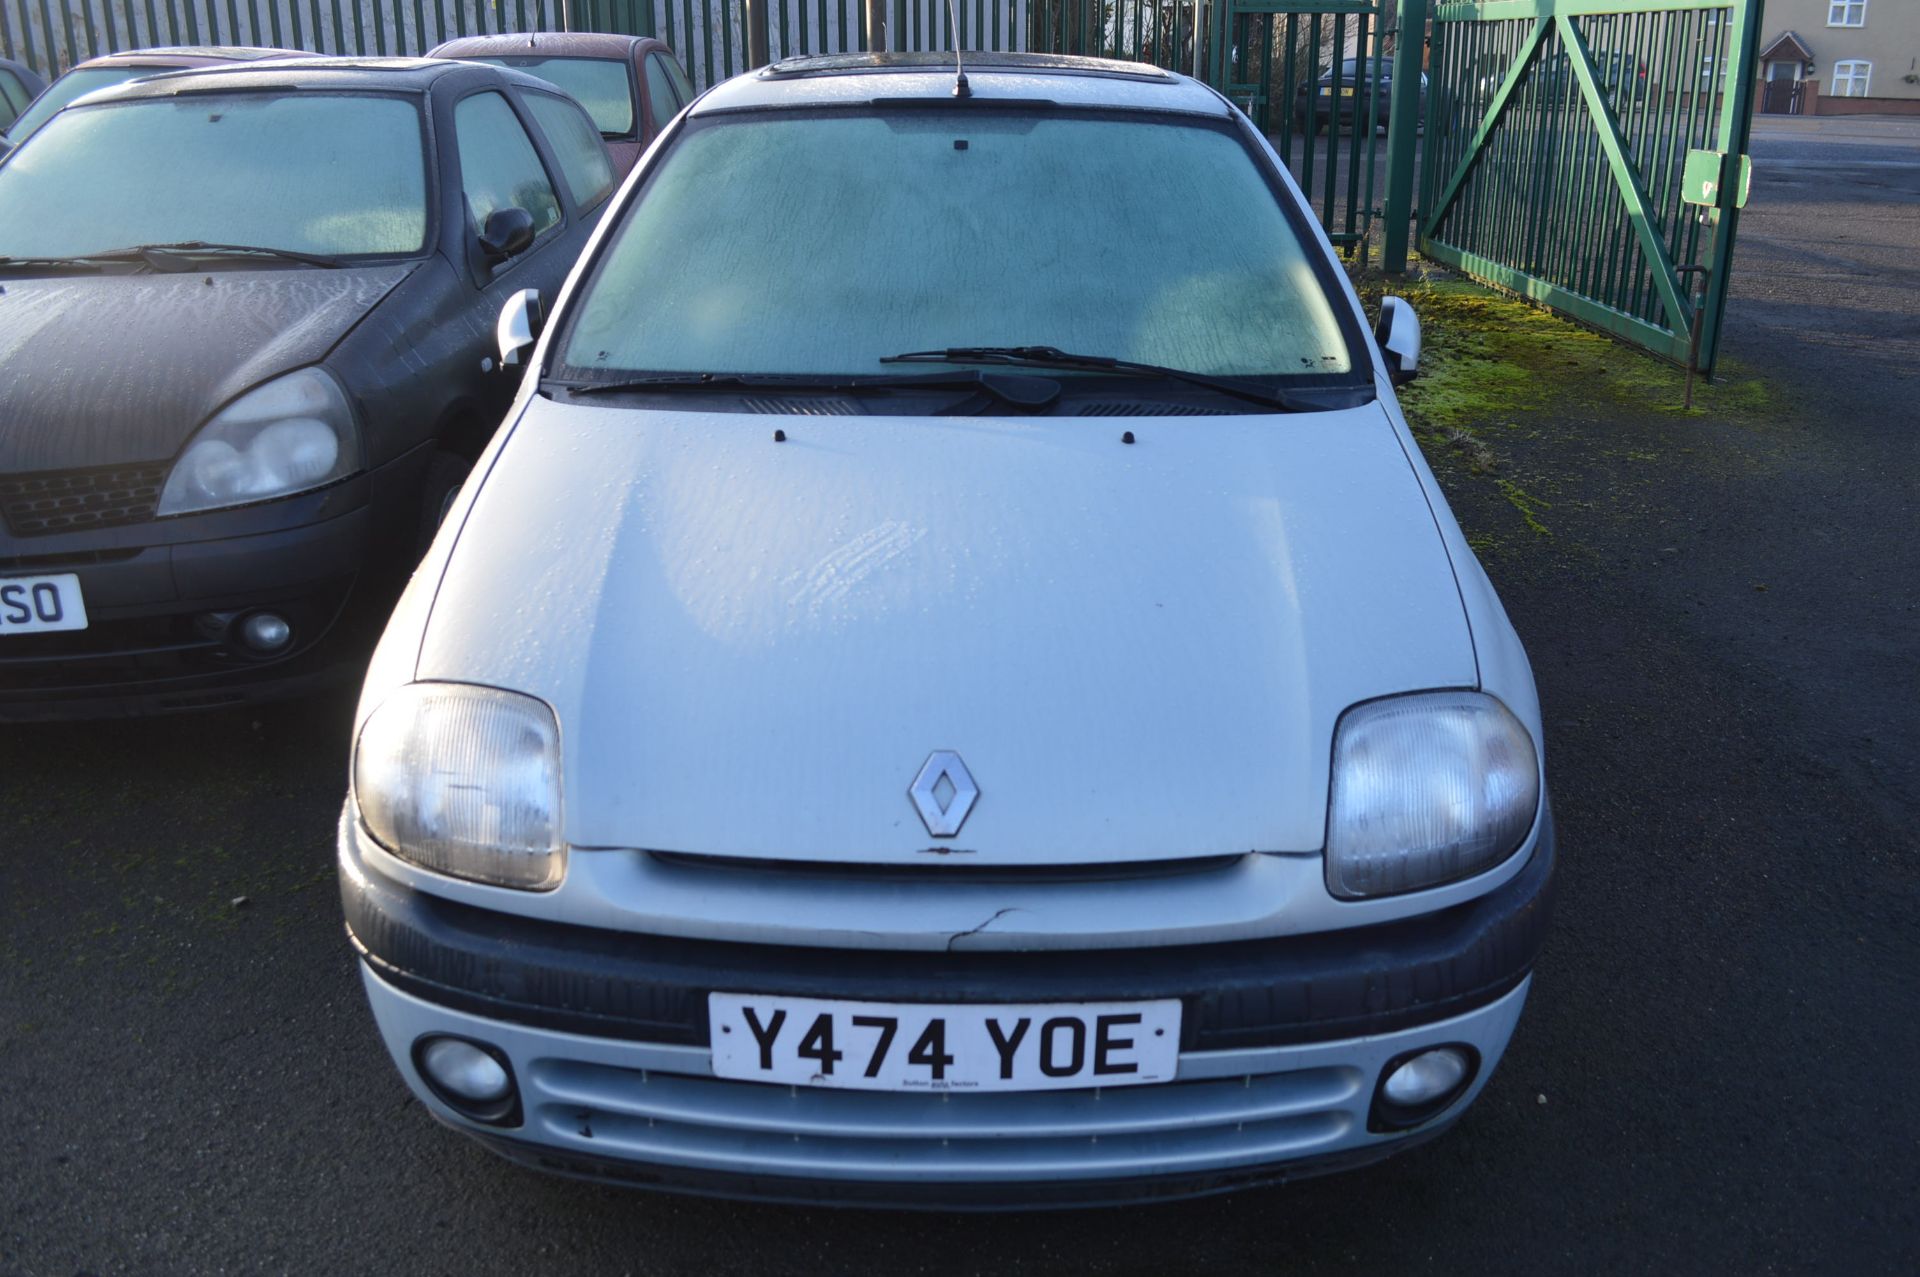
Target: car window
{"type": "Point", "coordinates": [576, 143]}
{"type": "Point", "coordinates": [68, 87]}
{"type": "Point", "coordinates": [660, 95]}
{"type": "Point", "coordinates": [604, 86]}
{"type": "Point", "coordinates": [682, 86]}
{"type": "Point", "coordinates": [820, 243]}
{"type": "Point", "coordinates": [319, 172]}
{"type": "Point", "coordinates": [498, 166]}
{"type": "Point", "coordinates": [13, 96]}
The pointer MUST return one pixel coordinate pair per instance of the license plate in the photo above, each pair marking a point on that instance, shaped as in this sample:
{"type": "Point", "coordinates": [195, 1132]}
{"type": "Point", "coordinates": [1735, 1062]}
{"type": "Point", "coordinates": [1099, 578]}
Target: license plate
{"type": "Point", "coordinates": [1346, 93]}
{"type": "Point", "coordinates": [893, 1046]}
{"type": "Point", "coordinates": [38, 604]}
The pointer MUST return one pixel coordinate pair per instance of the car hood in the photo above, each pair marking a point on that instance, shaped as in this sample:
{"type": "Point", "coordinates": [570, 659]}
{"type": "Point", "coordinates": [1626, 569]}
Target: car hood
{"type": "Point", "coordinates": [1138, 651]}
{"type": "Point", "coordinates": [108, 370]}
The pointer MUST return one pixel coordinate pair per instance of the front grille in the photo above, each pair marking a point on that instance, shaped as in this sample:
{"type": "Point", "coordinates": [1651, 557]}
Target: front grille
{"type": "Point", "coordinates": [1185, 1126]}
{"type": "Point", "coordinates": [956, 866]}
{"type": "Point", "coordinates": [69, 500]}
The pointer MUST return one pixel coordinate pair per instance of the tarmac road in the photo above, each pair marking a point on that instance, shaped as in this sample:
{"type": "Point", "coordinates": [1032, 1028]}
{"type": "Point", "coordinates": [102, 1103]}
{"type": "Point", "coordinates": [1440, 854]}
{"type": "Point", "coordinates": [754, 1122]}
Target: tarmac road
{"type": "Point", "coordinates": [1715, 1071]}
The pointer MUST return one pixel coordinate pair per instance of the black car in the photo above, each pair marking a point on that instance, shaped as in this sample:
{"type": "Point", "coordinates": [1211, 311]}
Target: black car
{"type": "Point", "coordinates": [19, 85]}
{"type": "Point", "coordinates": [1313, 105]}
{"type": "Point", "coordinates": [246, 324]}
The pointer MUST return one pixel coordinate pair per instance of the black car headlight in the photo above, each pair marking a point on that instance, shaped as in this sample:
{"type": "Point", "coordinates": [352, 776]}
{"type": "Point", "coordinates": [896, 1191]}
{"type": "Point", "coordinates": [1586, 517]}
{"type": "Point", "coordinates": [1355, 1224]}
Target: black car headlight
{"type": "Point", "coordinates": [285, 436]}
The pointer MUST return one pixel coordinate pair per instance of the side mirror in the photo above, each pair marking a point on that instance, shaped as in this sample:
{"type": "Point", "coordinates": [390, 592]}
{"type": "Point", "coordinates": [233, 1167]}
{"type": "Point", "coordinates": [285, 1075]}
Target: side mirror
{"type": "Point", "coordinates": [519, 326]}
{"type": "Point", "coordinates": [1398, 332]}
{"type": "Point", "coordinates": [508, 230]}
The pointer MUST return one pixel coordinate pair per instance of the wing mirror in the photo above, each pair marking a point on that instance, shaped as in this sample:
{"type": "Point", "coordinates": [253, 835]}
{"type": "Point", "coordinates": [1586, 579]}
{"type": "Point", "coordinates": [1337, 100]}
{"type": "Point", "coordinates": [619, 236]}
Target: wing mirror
{"type": "Point", "coordinates": [508, 230]}
{"type": "Point", "coordinates": [519, 325]}
{"type": "Point", "coordinates": [1398, 332]}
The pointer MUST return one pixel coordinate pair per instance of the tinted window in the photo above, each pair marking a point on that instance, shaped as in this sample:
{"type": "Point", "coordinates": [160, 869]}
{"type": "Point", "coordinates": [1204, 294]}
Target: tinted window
{"type": "Point", "coordinates": [660, 95]}
{"type": "Point", "coordinates": [602, 85]}
{"type": "Point", "coordinates": [319, 172]}
{"type": "Point", "coordinates": [13, 95]}
{"type": "Point", "coordinates": [498, 166]}
{"type": "Point", "coordinates": [819, 244]}
{"type": "Point", "coordinates": [583, 156]}
{"type": "Point", "coordinates": [682, 86]}
{"type": "Point", "coordinates": [67, 88]}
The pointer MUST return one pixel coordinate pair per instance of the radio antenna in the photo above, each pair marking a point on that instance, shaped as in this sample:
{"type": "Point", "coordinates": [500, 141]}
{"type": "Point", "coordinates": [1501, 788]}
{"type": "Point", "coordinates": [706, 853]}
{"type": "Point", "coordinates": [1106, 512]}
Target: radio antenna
{"type": "Point", "coordinates": [960, 88]}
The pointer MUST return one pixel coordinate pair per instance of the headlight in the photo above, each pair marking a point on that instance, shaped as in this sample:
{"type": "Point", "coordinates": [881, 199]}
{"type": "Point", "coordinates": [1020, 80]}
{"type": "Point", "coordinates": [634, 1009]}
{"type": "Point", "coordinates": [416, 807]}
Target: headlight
{"type": "Point", "coordinates": [293, 433]}
{"type": "Point", "coordinates": [466, 781]}
{"type": "Point", "coordinates": [1427, 789]}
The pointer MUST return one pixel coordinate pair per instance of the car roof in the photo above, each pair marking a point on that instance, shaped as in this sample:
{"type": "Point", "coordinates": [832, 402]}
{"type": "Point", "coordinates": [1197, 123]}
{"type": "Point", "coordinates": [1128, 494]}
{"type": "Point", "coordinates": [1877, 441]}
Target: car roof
{"type": "Point", "coordinates": [188, 55]}
{"type": "Point", "coordinates": [573, 44]}
{"type": "Point", "coordinates": [1065, 80]}
{"type": "Point", "coordinates": [406, 75]}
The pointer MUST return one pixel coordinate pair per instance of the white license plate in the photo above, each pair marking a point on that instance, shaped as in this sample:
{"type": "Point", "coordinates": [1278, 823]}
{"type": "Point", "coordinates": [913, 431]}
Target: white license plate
{"type": "Point", "coordinates": [892, 1046]}
{"type": "Point", "coordinates": [37, 604]}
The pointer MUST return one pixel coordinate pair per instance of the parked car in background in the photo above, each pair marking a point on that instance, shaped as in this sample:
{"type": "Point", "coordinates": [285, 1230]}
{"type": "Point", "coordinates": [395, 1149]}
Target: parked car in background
{"type": "Point", "coordinates": [978, 704]}
{"type": "Point", "coordinates": [1357, 83]}
{"type": "Point", "coordinates": [631, 85]}
{"type": "Point", "coordinates": [19, 85]}
{"type": "Point", "coordinates": [247, 333]}
{"type": "Point", "coordinates": [130, 64]}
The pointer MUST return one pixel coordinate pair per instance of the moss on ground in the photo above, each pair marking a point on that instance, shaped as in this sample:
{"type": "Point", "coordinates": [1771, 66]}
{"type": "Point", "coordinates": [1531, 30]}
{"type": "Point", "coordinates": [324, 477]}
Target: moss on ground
{"type": "Point", "coordinates": [1498, 373]}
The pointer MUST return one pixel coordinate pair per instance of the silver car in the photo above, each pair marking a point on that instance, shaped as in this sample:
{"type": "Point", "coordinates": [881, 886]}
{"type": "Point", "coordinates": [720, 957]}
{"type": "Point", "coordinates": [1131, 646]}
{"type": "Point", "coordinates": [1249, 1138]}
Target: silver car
{"type": "Point", "coordinates": [954, 684]}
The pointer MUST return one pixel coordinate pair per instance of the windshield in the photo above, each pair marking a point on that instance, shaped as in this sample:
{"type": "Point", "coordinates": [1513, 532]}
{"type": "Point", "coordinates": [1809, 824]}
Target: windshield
{"type": "Point", "coordinates": [819, 244]}
{"type": "Point", "coordinates": [602, 85]}
{"type": "Point", "coordinates": [327, 173]}
{"type": "Point", "coordinates": [68, 87]}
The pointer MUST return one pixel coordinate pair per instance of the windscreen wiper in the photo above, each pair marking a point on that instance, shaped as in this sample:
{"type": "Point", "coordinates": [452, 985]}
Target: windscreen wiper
{"type": "Point", "coordinates": [1022, 392]}
{"type": "Point", "coordinates": [201, 248]}
{"type": "Point", "coordinates": [1054, 357]}
{"type": "Point", "coordinates": [165, 257]}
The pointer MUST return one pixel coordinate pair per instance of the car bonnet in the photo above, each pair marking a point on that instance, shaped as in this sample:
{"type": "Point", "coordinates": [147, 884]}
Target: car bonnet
{"type": "Point", "coordinates": [1138, 650]}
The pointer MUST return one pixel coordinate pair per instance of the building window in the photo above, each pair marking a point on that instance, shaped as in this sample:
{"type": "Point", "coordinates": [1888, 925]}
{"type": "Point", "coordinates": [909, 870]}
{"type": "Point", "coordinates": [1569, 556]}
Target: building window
{"type": "Point", "coordinates": [1850, 79]}
{"type": "Point", "coordinates": [1847, 13]}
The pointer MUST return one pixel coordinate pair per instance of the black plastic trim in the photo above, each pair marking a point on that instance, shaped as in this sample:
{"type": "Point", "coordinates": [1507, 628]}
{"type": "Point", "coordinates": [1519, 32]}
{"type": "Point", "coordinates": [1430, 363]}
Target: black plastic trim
{"type": "Point", "coordinates": [1312, 988]}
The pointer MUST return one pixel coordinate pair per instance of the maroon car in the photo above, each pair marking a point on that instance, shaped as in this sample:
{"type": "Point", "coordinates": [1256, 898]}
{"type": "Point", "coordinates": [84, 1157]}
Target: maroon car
{"type": "Point", "coordinates": [131, 64]}
{"type": "Point", "coordinates": [631, 85]}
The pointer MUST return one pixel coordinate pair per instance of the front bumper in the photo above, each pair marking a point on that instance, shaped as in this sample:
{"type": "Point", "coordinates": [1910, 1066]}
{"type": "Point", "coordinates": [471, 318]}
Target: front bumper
{"type": "Point", "coordinates": [1282, 1045]}
{"type": "Point", "coordinates": [163, 598]}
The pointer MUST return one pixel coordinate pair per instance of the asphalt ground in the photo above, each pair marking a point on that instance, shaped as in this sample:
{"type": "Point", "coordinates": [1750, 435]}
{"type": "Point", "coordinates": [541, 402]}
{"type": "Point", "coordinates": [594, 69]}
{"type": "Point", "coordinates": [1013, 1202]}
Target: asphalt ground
{"type": "Point", "coordinates": [1715, 1070]}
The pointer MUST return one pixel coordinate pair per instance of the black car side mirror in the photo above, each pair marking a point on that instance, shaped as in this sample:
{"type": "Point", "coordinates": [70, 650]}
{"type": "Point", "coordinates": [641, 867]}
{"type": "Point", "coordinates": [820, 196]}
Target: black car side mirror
{"type": "Point", "coordinates": [508, 230]}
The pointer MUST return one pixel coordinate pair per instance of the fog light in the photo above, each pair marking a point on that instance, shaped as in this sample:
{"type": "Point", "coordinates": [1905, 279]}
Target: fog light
{"type": "Point", "coordinates": [266, 632]}
{"type": "Point", "coordinates": [469, 1077]}
{"type": "Point", "coordinates": [1418, 1085]}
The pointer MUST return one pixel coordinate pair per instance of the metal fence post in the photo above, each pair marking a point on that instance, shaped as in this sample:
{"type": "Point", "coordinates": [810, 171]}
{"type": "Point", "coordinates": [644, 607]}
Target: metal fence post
{"type": "Point", "coordinates": [877, 26]}
{"type": "Point", "coordinates": [758, 53]}
{"type": "Point", "coordinates": [1403, 127]}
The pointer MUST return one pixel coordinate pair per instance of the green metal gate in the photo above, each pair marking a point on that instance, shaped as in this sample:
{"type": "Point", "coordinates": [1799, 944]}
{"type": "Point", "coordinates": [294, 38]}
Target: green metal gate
{"type": "Point", "coordinates": [1559, 135]}
{"type": "Point", "coordinates": [1311, 74]}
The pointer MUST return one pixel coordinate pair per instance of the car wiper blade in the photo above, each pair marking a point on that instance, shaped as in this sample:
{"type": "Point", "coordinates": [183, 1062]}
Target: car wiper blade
{"type": "Point", "coordinates": [202, 248]}
{"type": "Point", "coordinates": [1024, 392]}
{"type": "Point", "coordinates": [1054, 357]}
{"type": "Point", "coordinates": [91, 261]}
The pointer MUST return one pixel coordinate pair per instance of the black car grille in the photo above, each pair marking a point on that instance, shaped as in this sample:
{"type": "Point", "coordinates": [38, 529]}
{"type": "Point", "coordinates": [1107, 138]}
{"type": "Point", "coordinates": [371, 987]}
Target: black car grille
{"type": "Point", "coordinates": [69, 500]}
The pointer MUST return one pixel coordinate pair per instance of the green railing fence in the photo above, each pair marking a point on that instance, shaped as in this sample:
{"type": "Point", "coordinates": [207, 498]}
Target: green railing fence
{"type": "Point", "coordinates": [1557, 136]}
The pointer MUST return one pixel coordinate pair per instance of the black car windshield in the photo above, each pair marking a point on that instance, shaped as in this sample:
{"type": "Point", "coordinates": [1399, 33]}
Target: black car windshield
{"type": "Point", "coordinates": [821, 243]}
{"type": "Point", "coordinates": [73, 84]}
{"type": "Point", "coordinates": [602, 85]}
{"type": "Point", "coordinates": [324, 173]}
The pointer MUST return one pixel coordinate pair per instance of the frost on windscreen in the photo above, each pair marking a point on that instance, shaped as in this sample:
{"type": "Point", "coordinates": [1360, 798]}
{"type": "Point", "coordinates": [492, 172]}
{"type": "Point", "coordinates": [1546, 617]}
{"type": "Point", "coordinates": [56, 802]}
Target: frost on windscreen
{"type": "Point", "coordinates": [820, 245]}
{"type": "Point", "coordinates": [315, 172]}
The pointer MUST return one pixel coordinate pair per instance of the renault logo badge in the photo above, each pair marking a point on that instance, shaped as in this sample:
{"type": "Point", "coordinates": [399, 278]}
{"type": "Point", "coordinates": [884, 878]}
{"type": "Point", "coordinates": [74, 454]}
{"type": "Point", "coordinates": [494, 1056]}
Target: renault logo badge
{"type": "Point", "coordinates": [944, 792]}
